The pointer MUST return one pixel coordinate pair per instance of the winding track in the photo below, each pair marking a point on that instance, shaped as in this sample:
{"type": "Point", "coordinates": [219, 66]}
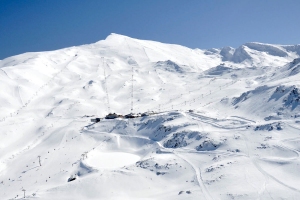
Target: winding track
{"type": "Point", "coordinates": [196, 169]}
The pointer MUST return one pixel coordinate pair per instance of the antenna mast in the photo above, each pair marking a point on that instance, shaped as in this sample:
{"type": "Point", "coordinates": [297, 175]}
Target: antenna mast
{"type": "Point", "coordinates": [132, 89]}
{"type": "Point", "coordinates": [105, 85]}
{"type": "Point", "coordinates": [132, 70]}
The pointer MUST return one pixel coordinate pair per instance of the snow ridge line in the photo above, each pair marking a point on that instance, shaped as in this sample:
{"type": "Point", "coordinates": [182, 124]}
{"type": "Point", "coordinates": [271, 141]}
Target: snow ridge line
{"type": "Point", "coordinates": [20, 96]}
{"type": "Point", "coordinates": [36, 93]}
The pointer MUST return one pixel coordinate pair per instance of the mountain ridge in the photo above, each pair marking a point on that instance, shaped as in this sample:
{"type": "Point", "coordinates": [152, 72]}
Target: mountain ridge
{"type": "Point", "coordinates": [211, 119]}
{"type": "Point", "coordinates": [264, 47]}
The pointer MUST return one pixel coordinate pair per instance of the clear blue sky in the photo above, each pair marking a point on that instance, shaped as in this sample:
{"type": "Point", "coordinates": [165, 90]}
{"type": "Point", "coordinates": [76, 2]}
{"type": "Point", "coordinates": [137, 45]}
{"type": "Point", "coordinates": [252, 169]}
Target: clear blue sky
{"type": "Point", "coordinates": [40, 25]}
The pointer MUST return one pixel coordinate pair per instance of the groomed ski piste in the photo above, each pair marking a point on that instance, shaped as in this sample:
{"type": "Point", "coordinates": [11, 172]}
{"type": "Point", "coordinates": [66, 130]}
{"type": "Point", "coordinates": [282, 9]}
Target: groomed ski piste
{"type": "Point", "coordinates": [220, 123]}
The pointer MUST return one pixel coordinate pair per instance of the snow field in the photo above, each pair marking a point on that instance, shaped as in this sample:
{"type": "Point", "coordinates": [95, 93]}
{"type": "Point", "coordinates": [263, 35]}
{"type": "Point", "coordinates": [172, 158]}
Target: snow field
{"type": "Point", "coordinates": [240, 142]}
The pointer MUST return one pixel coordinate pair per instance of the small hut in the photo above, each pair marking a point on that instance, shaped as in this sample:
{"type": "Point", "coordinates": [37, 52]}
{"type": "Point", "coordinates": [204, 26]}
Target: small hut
{"type": "Point", "coordinates": [96, 120]}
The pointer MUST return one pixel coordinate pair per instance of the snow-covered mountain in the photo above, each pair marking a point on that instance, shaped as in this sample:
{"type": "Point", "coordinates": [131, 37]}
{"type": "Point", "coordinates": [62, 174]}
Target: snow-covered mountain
{"type": "Point", "coordinates": [224, 125]}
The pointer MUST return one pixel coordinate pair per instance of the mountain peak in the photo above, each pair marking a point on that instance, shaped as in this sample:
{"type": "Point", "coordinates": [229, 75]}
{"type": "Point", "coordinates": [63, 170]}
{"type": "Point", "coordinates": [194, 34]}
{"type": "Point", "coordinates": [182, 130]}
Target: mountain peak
{"type": "Point", "coordinates": [116, 37]}
{"type": "Point", "coordinates": [196, 118]}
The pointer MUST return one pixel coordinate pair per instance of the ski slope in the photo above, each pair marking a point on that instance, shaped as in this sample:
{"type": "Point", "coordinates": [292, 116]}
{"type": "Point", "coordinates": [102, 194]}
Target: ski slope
{"type": "Point", "coordinates": [225, 125]}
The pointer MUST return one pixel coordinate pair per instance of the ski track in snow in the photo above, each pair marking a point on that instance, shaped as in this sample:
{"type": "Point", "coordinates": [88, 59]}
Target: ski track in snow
{"type": "Point", "coordinates": [264, 173]}
{"type": "Point", "coordinates": [196, 169]}
{"type": "Point", "coordinates": [272, 177]}
{"type": "Point", "coordinates": [198, 175]}
{"type": "Point", "coordinates": [5, 73]}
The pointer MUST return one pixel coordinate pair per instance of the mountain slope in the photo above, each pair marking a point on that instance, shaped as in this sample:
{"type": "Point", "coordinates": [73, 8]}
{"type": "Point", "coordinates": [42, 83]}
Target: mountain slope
{"type": "Point", "coordinates": [224, 122]}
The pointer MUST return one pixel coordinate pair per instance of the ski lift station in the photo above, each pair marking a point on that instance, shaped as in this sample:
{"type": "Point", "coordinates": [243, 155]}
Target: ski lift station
{"type": "Point", "coordinates": [111, 115]}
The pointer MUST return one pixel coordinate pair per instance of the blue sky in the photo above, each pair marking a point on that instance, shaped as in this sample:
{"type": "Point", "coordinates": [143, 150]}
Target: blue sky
{"type": "Point", "coordinates": [41, 25]}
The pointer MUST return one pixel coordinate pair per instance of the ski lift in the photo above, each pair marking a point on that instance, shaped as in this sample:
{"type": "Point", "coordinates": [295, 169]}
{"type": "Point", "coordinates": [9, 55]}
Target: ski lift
{"type": "Point", "coordinates": [111, 116]}
{"type": "Point", "coordinates": [130, 115]}
{"type": "Point", "coordinates": [145, 114]}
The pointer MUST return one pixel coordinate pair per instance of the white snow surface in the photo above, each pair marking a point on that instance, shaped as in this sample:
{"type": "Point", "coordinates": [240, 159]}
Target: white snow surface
{"type": "Point", "coordinates": [225, 122]}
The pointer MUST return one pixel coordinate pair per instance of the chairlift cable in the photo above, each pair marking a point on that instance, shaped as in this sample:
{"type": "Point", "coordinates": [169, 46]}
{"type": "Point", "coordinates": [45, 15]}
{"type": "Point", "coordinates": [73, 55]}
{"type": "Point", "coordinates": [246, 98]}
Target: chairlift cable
{"type": "Point", "coordinates": [105, 85]}
{"type": "Point", "coordinates": [132, 89]}
{"type": "Point", "coordinates": [132, 71]}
